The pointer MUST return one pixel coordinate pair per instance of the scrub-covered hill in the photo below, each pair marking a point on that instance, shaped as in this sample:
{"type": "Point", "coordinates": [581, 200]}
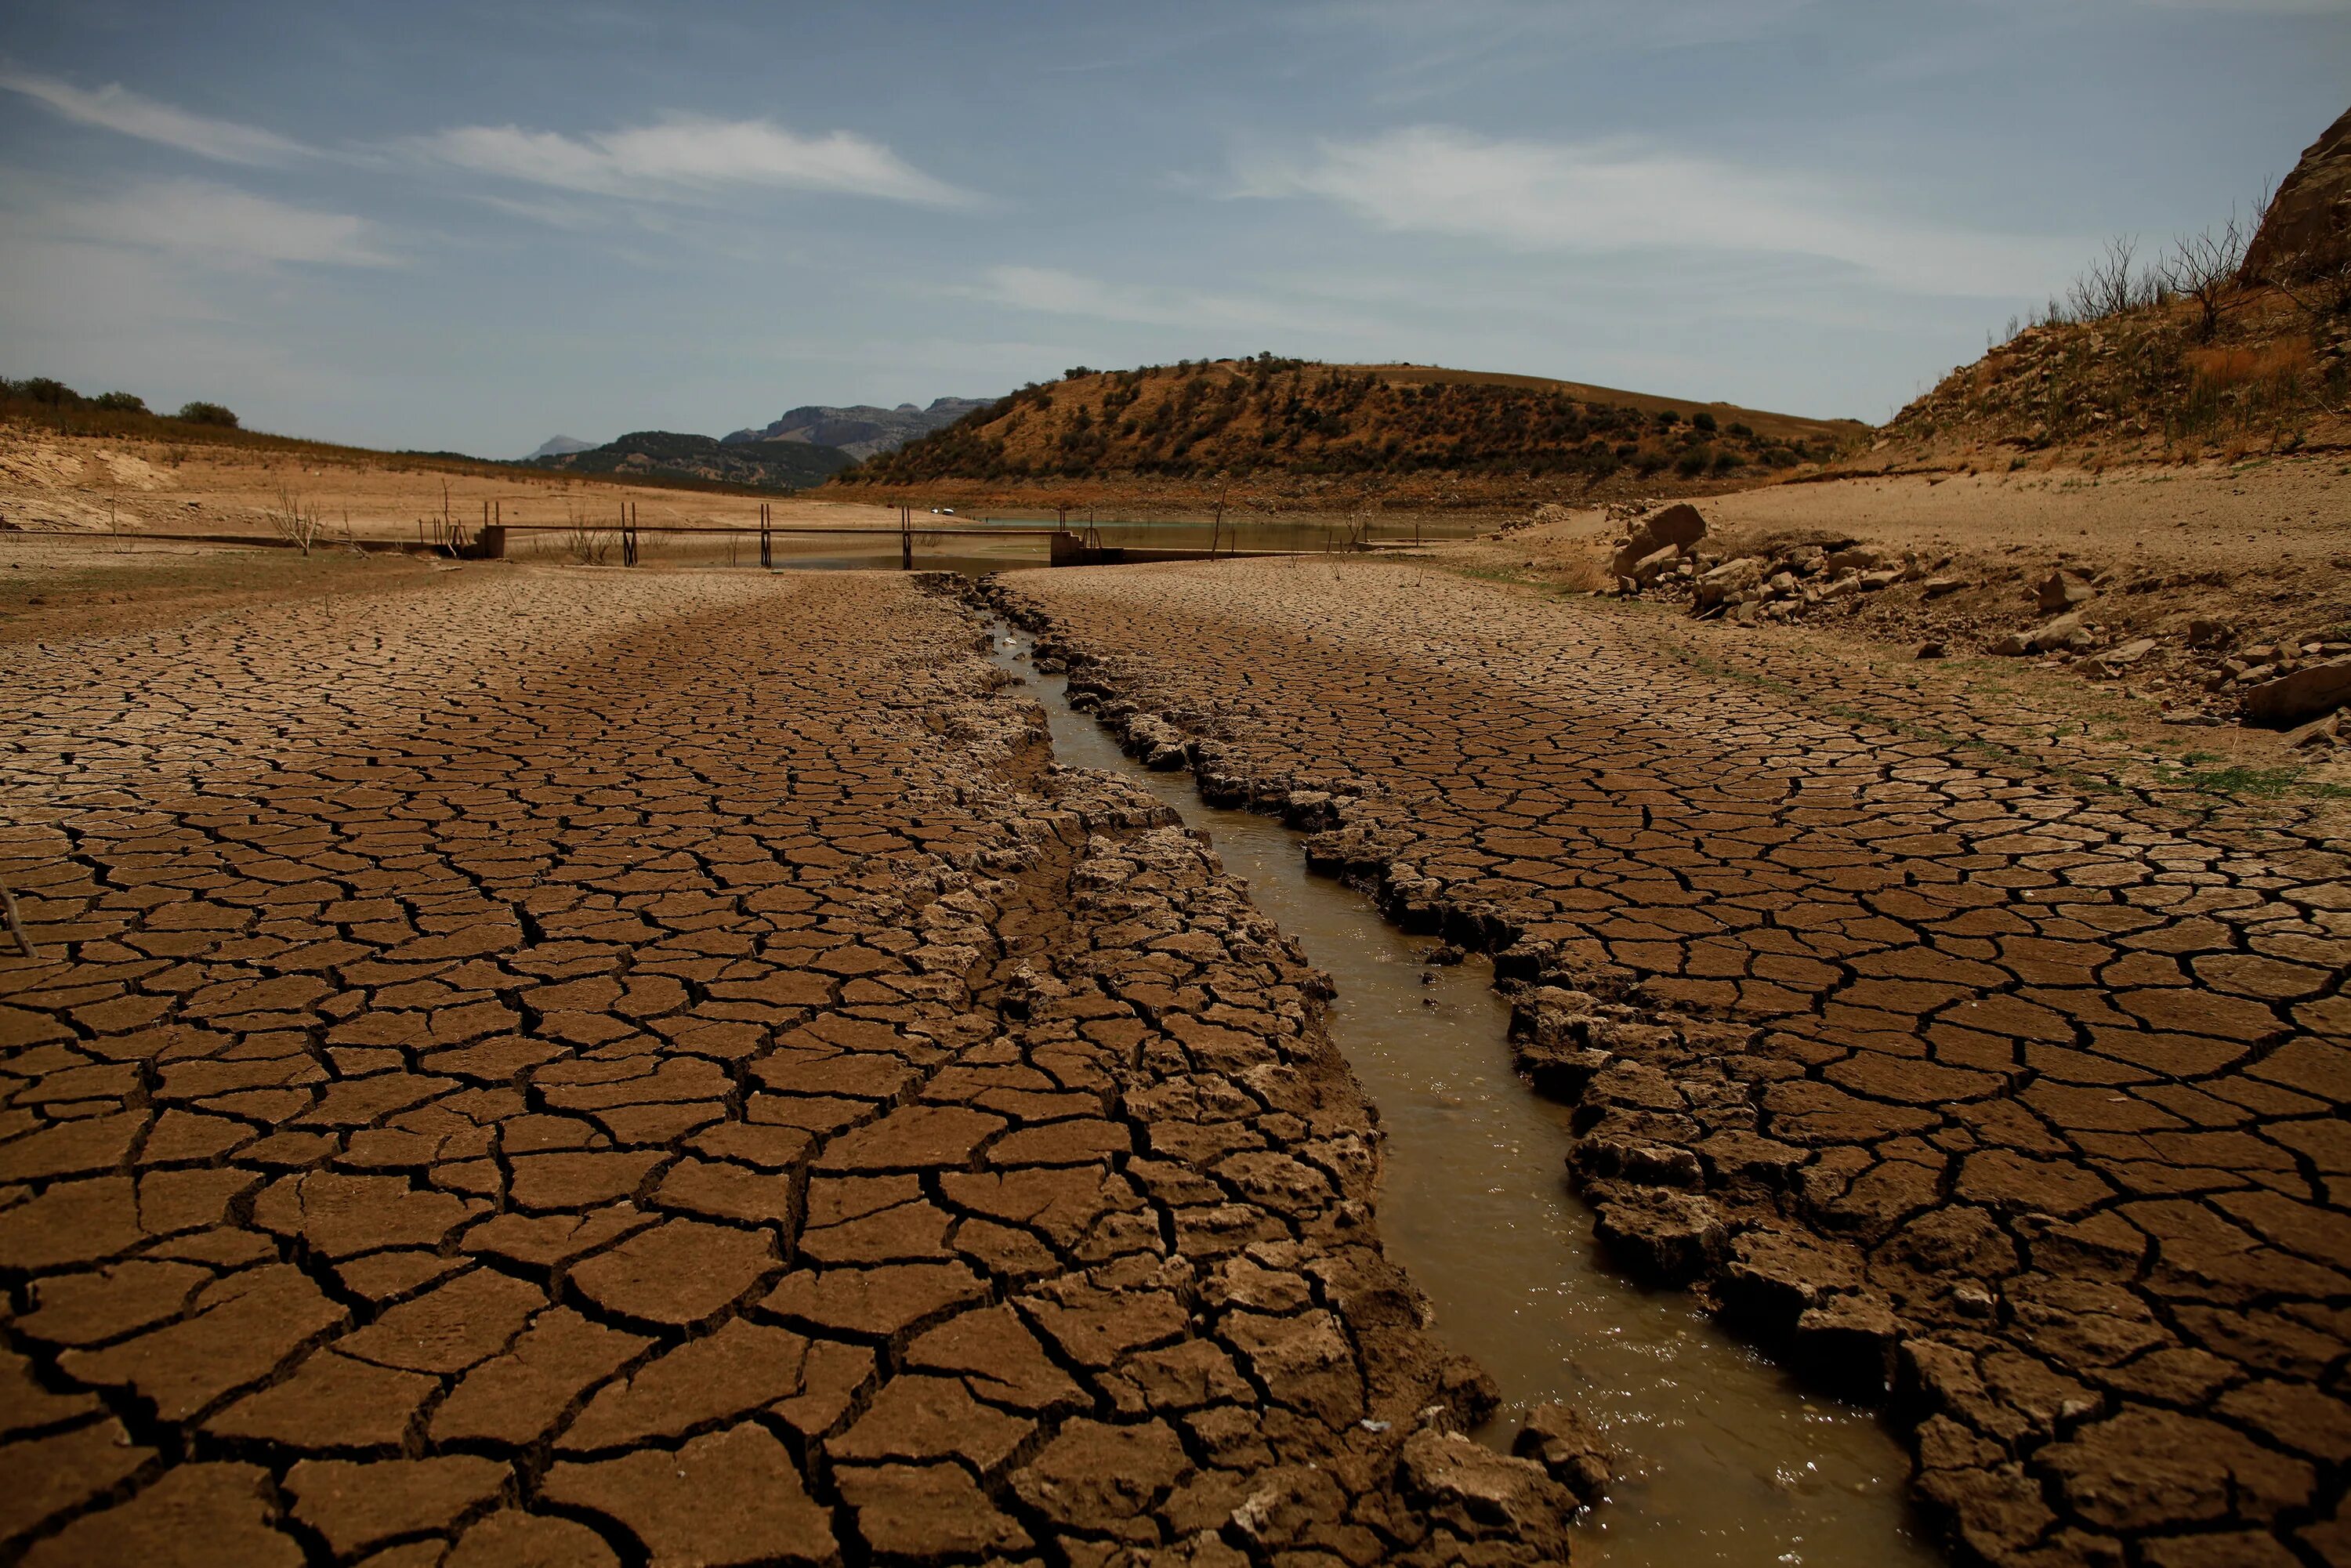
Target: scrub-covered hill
{"type": "Point", "coordinates": [1262, 417]}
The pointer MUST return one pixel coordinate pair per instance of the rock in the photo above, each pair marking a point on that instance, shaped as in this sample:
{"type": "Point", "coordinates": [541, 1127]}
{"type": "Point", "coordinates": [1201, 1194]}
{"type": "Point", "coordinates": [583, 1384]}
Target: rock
{"type": "Point", "coordinates": [1732, 577]}
{"type": "Point", "coordinates": [2014, 645]}
{"type": "Point", "coordinates": [2065, 633]}
{"type": "Point", "coordinates": [1930, 651]}
{"type": "Point", "coordinates": [2308, 692]}
{"type": "Point", "coordinates": [2318, 733]}
{"type": "Point", "coordinates": [2062, 591]}
{"type": "Point", "coordinates": [2207, 634]}
{"type": "Point", "coordinates": [1855, 557]}
{"type": "Point", "coordinates": [1677, 525]}
{"type": "Point", "coordinates": [1673, 527]}
{"type": "Point", "coordinates": [1559, 1439]}
{"type": "Point", "coordinates": [2130, 652]}
{"type": "Point", "coordinates": [1937, 587]}
{"type": "Point", "coordinates": [1476, 1492]}
{"type": "Point", "coordinates": [1883, 578]}
{"type": "Point", "coordinates": [1657, 562]}
{"type": "Point", "coordinates": [1665, 1235]}
{"type": "Point", "coordinates": [2309, 219]}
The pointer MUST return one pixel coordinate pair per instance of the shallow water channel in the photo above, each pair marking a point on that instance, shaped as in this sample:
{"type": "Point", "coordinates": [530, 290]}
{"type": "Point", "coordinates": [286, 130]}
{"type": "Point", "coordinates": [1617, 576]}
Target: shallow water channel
{"type": "Point", "coordinates": [1720, 1458]}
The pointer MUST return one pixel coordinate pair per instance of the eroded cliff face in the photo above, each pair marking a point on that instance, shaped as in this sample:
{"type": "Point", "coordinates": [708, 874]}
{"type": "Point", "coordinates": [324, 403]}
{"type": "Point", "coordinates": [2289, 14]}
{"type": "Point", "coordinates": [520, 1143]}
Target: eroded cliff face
{"type": "Point", "coordinates": [2310, 218]}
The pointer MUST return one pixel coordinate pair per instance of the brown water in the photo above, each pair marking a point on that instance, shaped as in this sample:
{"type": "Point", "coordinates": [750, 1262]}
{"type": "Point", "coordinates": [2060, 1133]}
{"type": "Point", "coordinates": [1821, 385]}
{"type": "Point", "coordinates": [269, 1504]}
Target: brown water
{"type": "Point", "coordinates": [1720, 1458]}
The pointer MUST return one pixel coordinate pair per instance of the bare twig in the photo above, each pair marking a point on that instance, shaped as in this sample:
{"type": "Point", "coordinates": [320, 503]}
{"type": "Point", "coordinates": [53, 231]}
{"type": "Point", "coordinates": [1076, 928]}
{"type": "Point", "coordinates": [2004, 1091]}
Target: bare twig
{"type": "Point", "coordinates": [17, 924]}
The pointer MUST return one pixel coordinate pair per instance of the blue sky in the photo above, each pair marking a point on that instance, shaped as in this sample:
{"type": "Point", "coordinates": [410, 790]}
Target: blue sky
{"type": "Point", "coordinates": [474, 226]}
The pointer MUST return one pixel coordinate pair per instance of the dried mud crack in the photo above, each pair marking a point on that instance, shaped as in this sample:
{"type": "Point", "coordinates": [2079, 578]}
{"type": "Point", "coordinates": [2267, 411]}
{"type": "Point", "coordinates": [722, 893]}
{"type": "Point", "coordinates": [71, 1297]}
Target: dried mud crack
{"type": "Point", "coordinates": [661, 1069]}
{"type": "Point", "coordinates": [2021, 1105]}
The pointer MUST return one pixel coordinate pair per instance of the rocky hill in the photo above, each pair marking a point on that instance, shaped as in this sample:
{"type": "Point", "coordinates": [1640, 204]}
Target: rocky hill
{"type": "Point", "coordinates": [1198, 420]}
{"type": "Point", "coordinates": [862, 430]}
{"type": "Point", "coordinates": [665, 454]}
{"type": "Point", "coordinates": [2226, 344]}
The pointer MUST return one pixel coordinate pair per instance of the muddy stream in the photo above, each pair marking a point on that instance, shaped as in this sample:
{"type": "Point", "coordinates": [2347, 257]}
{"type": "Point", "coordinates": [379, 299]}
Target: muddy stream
{"type": "Point", "coordinates": [1721, 1457]}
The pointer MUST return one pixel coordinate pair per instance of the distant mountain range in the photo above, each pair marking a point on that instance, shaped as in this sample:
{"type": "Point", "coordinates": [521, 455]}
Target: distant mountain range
{"type": "Point", "coordinates": [665, 455]}
{"type": "Point", "coordinates": [862, 430]}
{"type": "Point", "coordinates": [560, 446]}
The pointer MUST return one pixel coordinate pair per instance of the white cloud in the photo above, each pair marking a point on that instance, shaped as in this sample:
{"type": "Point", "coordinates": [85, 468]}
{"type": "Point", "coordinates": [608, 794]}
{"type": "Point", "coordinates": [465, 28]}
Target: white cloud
{"type": "Point", "coordinates": [118, 109]}
{"type": "Point", "coordinates": [1052, 291]}
{"type": "Point", "coordinates": [1624, 195]}
{"type": "Point", "coordinates": [213, 224]}
{"type": "Point", "coordinates": [690, 156]}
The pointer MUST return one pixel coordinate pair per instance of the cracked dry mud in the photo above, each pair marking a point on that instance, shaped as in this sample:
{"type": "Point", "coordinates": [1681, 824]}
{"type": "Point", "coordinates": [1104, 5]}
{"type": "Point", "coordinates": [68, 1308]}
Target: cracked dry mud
{"type": "Point", "coordinates": [2026, 1100]}
{"type": "Point", "coordinates": [557, 1067]}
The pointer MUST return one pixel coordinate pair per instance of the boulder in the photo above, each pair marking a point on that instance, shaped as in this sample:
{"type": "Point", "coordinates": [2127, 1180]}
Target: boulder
{"type": "Point", "coordinates": [1655, 564]}
{"type": "Point", "coordinates": [2012, 644]}
{"type": "Point", "coordinates": [1677, 525]}
{"type": "Point", "coordinates": [2061, 591]}
{"type": "Point", "coordinates": [1732, 577]}
{"type": "Point", "coordinates": [1930, 651]}
{"type": "Point", "coordinates": [1673, 527]}
{"type": "Point", "coordinates": [2308, 692]}
{"type": "Point", "coordinates": [1938, 586]}
{"type": "Point", "coordinates": [1855, 557]}
{"type": "Point", "coordinates": [2066, 631]}
{"type": "Point", "coordinates": [1564, 1443]}
{"type": "Point", "coordinates": [2129, 654]}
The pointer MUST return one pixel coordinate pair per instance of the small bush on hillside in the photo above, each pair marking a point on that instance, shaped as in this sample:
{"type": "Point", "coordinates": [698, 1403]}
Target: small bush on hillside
{"type": "Point", "coordinates": [122, 403]}
{"type": "Point", "coordinates": [1705, 422]}
{"type": "Point", "coordinates": [207, 413]}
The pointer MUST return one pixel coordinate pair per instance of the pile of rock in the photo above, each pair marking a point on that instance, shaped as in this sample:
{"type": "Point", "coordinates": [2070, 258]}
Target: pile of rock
{"type": "Point", "coordinates": [1666, 555]}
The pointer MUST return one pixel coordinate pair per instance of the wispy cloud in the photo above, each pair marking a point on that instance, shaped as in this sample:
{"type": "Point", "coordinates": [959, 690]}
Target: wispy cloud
{"type": "Point", "coordinates": [1052, 291]}
{"type": "Point", "coordinates": [686, 156]}
{"type": "Point", "coordinates": [212, 223]}
{"type": "Point", "coordinates": [1629, 195]}
{"type": "Point", "coordinates": [118, 109]}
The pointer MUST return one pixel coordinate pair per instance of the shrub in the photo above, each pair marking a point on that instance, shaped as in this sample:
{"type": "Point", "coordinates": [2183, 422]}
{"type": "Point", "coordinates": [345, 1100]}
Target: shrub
{"type": "Point", "coordinates": [122, 402]}
{"type": "Point", "coordinates": [1666, 416]}
{"type": "Point", "coordinates": [207, 413]}
{"type": "Point", "coordinates": [1704, 421]}
{"type": "Point", "coordinates": [42, 389]}
{"type": "Point", "coordinates": [1694, 462]}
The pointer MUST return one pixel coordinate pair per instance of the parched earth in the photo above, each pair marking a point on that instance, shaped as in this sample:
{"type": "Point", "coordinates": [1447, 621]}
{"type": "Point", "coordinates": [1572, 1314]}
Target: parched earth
{"type": "Point", "coordinates": [2019, 1091]}
{"type": "Point", "coordinates": [567, 1067]}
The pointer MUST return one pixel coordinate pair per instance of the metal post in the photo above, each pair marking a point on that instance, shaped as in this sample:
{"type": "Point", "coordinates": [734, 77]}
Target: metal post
{"type": "Point", "coordinates": [905, 538]}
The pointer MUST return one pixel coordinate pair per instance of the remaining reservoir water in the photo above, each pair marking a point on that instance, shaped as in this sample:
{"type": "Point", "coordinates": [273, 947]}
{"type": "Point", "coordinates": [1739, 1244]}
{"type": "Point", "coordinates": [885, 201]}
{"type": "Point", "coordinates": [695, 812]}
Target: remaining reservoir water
{"type": "Point", "coordinates": [1721, 1457]}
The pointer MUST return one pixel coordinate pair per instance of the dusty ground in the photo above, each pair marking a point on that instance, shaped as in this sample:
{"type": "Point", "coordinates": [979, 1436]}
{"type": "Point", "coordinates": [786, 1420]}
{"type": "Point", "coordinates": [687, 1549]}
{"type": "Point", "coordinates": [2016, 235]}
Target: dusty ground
{"type": "Point", "coordinates": [2262, 548]}
{"type": "Point", "coordinates": [2013, 1073]}
{"type": "Point", "coordinates": [48, 482]}
{"type": "Point", "coordinates": [557, 1066]}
